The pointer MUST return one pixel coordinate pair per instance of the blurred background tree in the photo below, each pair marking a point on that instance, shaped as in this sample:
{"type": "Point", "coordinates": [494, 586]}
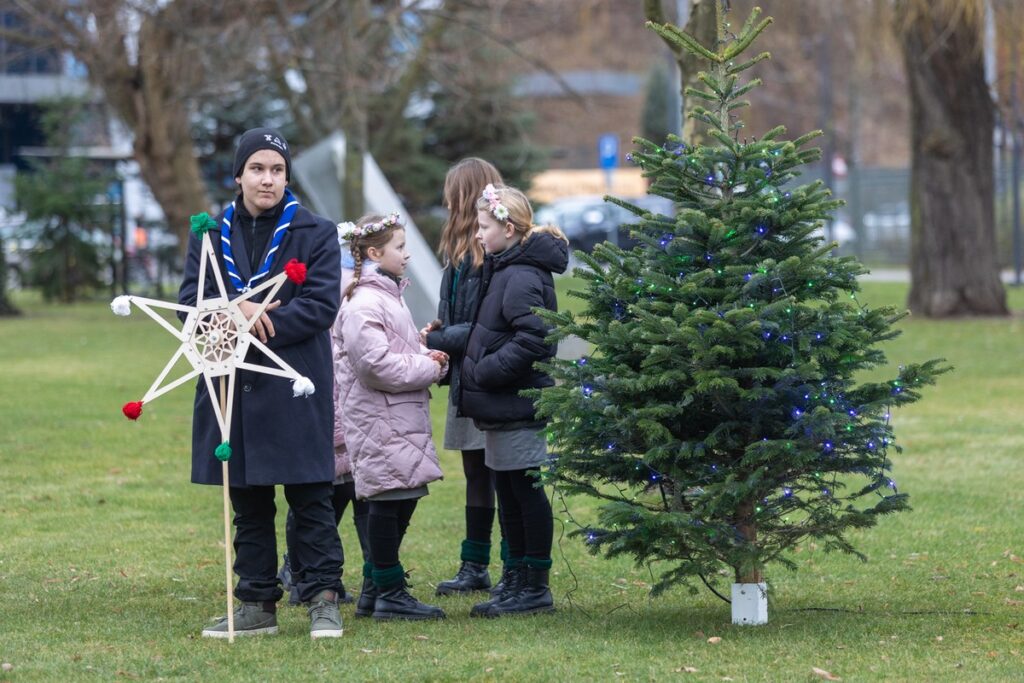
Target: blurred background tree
{"type": "Point", "coordinates": [63, 203]}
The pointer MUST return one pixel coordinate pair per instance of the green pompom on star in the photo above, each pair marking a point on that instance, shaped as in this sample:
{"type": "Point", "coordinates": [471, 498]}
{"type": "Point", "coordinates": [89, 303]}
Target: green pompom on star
{"type": "Point", "coordinates": [202, 223]}
{"type": "Point", "coordinates": [223, 452]}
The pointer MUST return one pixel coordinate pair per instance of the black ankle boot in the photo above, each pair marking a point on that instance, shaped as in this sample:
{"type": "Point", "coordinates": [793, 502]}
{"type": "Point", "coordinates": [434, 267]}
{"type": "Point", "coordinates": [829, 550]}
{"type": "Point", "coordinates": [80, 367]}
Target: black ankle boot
{"type": "Point", "coordinates": [533, 597]}
{"type": "Point", "coordinates": [396, 603]}
{"type": "Point", "coordinates": [512, 580]}
{"type": "Point", "coordinates": [470, 577]}
{"type": "Point", "coordinates": [497, 588]}
{"type": "Point", "coordinates": [367, 598]}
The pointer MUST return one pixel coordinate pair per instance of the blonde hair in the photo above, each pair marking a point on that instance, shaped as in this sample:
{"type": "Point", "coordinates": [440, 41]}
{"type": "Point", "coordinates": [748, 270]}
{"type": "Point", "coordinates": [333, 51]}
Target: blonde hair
{"type": "Point", "coordinates": [520, 213]}
{"type": "Point", "coordinates": [462, 185]}
{"type": "Point", "coordinates": [359, 244]}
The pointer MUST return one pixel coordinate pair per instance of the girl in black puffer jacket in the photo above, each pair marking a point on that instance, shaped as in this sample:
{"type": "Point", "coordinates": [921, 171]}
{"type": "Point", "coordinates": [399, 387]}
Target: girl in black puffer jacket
{"type": "Point", "coordinates": [463, 257]}
{"type": "Point", "coordinates": [507, 340]}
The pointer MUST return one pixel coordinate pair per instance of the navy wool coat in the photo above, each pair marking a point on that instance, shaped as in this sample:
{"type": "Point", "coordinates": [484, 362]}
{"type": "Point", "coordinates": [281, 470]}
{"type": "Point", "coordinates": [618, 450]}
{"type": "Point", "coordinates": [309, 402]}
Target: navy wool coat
{"type": "Point", "coordinates": [276, 438]}
{"type": "Point", "coordinates": [508, 336]}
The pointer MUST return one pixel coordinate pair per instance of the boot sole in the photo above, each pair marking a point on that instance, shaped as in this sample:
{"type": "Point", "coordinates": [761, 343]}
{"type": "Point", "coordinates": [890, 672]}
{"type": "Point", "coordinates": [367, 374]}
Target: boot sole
{"type": "Point", "coordinates": [523, 613]}
{"type": "Point", "coordinates": [384, 616]}
{"type": "Point", "coordinates": [268, 631]}
{"type": "Point", "coordinates": [316, 635]}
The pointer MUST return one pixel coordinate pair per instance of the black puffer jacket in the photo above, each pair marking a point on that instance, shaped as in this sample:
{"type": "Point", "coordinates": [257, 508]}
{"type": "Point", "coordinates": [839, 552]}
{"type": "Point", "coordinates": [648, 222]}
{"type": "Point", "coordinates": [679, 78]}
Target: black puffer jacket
{"type": "Point", "coordinates": [460, 296]}
{"type": "Point", "coordinates": [508, 337]}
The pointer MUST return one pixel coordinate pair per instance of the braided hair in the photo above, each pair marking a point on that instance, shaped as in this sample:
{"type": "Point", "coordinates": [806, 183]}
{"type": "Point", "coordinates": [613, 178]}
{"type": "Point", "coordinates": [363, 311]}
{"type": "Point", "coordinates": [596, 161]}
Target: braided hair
{"type": "Point", "coordinates": [360, 244]}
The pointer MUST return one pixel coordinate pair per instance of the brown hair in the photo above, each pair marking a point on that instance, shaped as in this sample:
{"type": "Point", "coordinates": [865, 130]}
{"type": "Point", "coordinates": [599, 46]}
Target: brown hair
{"type": "Point", "coordinates": [360, 245]}
{"type": "Point", "coordinates": [520, 213]}
{"type": "Point", "coordinates": [463, 184]}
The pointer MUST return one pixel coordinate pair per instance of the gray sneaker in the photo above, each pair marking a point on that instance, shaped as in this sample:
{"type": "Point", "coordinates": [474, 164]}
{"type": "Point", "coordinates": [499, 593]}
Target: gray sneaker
{"type": "Point", "coordinates": [324, 617]}
{"type": "Point", "coordinates": [250, 620]}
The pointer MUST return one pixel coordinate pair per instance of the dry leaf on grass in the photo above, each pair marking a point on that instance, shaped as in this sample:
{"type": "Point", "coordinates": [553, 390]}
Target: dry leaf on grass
{"type": "Point", "coordinates": [714, 640]}
{"type": "Point", "coordinates": [366, 650]}
{"type": "Point", "coordinates": [7, 666]}
{"type": "Point", "coordinates": [827, 675]}
{"type": "Point", "coordinates": [685, 669]}
{"type": "Point", "coordinates": [421, 637]}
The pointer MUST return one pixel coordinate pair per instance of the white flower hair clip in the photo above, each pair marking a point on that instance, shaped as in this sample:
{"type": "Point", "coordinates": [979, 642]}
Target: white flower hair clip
{"type": "Point", "coordinates": [348, 231]}
{"type": "Point", "coordinates": [498, 210]}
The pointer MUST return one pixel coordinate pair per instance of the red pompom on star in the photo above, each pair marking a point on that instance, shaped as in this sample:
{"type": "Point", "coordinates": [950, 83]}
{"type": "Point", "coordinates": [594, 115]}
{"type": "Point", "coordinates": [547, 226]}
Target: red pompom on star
{"type": "Point", "coordinates": [132, 410]}
{"type": "Point", "coordinates": [296, 271]}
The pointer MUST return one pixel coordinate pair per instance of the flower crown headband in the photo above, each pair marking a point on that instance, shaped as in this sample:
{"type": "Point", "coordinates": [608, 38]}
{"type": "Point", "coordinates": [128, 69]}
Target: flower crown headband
{"type": "Point", "coordinates": [497, 209]}
{"type": "Point", "coordinates": [349, 231]}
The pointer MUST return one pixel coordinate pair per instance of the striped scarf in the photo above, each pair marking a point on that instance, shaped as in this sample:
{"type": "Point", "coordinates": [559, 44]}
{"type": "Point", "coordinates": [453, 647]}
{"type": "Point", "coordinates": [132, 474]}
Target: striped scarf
{"type": "Point", "coordinates": [290, 207]}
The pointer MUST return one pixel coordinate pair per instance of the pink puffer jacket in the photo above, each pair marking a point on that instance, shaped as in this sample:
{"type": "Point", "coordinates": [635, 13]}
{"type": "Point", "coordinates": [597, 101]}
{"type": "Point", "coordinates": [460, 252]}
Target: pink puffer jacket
{"type": "Point", "coordinates": [342, 463]}
{"type": "Point", "coordinates": [382, 374]}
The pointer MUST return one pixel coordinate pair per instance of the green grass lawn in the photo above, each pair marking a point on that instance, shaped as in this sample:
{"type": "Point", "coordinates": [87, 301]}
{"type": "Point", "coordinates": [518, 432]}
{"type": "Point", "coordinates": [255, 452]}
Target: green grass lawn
{"type": "Point", "coordinates": [111, 562]}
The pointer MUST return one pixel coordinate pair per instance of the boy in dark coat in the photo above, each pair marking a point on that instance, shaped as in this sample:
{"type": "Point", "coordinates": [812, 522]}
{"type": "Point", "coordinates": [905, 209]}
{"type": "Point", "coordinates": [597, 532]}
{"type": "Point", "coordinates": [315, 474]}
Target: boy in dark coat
{"type": "Point", "coordinates": [275, 438]}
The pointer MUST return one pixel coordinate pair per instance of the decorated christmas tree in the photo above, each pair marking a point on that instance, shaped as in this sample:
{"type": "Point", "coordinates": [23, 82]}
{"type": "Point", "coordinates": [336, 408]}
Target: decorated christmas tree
{"type": "Point", "coordinates": [723, 415]}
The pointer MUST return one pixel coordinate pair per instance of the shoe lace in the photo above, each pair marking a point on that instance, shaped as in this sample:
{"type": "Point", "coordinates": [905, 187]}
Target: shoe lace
{"type": "Point", "coordinates": [322, 610]}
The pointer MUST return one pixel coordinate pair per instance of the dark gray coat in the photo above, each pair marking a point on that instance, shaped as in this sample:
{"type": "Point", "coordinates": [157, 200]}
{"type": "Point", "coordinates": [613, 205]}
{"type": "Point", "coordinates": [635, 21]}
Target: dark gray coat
{"type": "Point", "coordinates": [275, 438]}
{"type": "Point", "coordinates": [460, 296]}
{"type": "Point", "coordinates": [508, 336]}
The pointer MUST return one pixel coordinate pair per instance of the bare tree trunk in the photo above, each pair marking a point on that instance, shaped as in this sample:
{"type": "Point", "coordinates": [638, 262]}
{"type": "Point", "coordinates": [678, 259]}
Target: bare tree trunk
{"type": "Point", "coordinates": [7, 308]}
{"type": "Point", "coordinates": [702, 25]}
{"type": "Point", "coordinates": [747, 529]}
{"type": "Point", "coordinates": [953, 265]}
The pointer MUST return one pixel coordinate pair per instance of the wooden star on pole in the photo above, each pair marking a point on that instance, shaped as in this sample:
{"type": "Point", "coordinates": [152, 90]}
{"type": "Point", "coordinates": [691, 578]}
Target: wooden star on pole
{"type": "Point", "coordinates": [214, 339]}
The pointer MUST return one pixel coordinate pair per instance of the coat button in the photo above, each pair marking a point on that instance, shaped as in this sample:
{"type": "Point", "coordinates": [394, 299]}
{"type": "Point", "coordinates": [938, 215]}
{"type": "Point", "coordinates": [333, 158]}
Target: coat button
{"type": "Point", "coordinates": [247, 387]}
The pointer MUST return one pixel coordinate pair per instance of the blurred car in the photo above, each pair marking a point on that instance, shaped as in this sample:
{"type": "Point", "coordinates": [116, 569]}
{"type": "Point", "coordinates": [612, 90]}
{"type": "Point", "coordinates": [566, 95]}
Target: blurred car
{"type": "Point", "coordinates": [588, 220]}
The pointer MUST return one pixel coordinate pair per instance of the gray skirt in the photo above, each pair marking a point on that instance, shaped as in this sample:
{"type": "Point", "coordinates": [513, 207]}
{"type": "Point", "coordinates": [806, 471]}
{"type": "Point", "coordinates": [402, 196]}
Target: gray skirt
{"type": "Point", "coordinates": [460, 434]}
{"type": "Point", "coordinates": [519, 449]}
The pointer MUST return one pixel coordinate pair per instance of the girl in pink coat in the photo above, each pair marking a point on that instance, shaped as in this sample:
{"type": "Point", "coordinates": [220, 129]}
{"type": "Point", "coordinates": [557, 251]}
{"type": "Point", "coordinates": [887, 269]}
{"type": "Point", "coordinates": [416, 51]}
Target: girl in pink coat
{"type": "Point", "coordinates": [382, 373]}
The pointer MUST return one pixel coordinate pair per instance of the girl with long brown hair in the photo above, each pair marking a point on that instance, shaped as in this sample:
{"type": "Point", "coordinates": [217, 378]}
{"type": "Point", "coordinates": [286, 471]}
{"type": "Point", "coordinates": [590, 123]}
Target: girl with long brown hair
{"type": "Point", "coordinates": [463, 258]}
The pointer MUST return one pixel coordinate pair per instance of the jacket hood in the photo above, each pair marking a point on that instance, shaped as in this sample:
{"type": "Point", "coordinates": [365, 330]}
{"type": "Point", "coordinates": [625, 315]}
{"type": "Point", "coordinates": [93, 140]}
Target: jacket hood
{"type": "Point", "coordinates": [372, 277]}
{"type": "Point", "coordinates": [540, 249]}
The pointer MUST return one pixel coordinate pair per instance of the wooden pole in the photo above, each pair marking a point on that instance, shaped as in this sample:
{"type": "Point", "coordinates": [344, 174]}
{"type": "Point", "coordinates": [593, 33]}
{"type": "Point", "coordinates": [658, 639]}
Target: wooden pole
{"type": "Point", "coordinates": [227, 520]}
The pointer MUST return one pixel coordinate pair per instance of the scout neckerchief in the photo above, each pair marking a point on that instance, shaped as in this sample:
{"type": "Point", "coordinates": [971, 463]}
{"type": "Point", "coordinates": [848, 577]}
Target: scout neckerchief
{"type": "Point", "coordinates": [290, 207]}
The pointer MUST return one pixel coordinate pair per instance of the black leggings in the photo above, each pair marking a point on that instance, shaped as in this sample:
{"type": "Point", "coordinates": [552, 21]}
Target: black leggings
{"type": "Point", "coordinates": [479, 480]}
{"type": "Point", "coordinates": [388, 521]}
{"type": "Point", "coordinates": [525, 514]}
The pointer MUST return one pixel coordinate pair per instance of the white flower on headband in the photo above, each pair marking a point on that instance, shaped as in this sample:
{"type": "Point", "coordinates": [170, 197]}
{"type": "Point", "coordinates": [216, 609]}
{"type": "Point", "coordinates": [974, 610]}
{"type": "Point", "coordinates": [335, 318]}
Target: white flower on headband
{"type": "Point", "coordinates": [346, 231]}
{"type": "Point", "coordinates": [498, 210]}
{"type": "Point", "coordinates": [349, 231]}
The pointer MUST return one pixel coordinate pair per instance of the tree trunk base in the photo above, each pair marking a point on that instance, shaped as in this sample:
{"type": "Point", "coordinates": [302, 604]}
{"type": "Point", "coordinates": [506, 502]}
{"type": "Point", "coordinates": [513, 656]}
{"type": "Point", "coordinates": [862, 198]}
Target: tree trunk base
{"type": "Point", "coordinates": [750, 604]}
{"type": "Point", "coordinates": [7, 309]}
{"type": "Point", "coordinates": [981, 298]}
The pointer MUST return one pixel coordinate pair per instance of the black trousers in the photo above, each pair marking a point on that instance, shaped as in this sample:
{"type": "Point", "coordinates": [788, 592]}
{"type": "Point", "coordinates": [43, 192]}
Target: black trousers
{"type": "Point", "coordinates": [317, 546]}
{"type": "Point", "coordinates": [525, 514]}
{"type": "Point", "coordinates": [343, 495]}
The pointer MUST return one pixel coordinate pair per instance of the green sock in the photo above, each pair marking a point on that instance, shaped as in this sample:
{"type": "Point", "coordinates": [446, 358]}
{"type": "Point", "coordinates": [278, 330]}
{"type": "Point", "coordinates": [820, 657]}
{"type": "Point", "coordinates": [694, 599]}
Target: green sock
{"type": "Point", "coordinates": [476, 551]}
{"type": "Point", "coordinates": [537, 562]}
{"type": "Point", "coordinates": [389, 577]}
{"type": "Point", "coordinates": [514, 562]}
{"type": "Point", "coordinates": [367, 570]}
{"type": "Point", "coordinates": [504, 551]}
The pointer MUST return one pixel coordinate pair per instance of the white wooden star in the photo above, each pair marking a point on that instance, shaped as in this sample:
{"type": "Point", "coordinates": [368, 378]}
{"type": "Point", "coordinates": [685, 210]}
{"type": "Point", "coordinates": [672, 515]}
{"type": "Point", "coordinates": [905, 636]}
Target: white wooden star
{"type": "Point", "coordinates": [215, 339]}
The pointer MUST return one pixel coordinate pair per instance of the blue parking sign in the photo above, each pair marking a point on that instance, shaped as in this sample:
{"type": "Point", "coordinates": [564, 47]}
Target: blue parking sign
{"type": "Point", "coordinates": [608, 150]}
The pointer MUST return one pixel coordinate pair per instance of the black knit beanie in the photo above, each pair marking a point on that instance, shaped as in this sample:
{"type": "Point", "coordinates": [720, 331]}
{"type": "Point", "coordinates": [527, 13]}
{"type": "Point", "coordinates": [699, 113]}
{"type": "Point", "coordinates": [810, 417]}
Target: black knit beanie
{"type": "Point", "coordinates": [255, 139]}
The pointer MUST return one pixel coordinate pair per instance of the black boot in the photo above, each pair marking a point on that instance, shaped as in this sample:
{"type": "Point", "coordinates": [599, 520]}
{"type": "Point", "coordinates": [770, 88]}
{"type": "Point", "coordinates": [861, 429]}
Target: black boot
{"type": "Point", "coordinates": [497, 588]}
{"type": "Point", "coordinates": [367, 598]}
{"type": "Point", "coordinates": [396, 603]}
{"type": "Point", "coordinates": [533, 598]}
{"type": "Point", "coordinates": [470, 577]}
{"type": "Point", "coordinates": [512, 580]}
